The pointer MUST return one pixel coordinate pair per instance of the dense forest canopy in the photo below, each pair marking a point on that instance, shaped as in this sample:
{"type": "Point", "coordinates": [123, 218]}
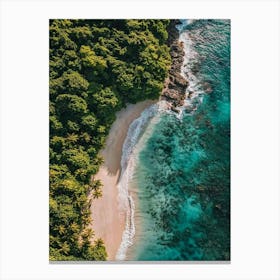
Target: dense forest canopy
{"type": "Point", "coordinates": [96, 68]}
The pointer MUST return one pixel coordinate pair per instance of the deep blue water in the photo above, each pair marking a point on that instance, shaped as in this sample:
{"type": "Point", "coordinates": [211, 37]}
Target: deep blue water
{"type": "Point", "coordinates": [183, 172]}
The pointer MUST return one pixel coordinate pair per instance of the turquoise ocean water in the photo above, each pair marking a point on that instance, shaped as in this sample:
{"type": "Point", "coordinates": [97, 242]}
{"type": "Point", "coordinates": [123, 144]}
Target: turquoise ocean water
{"type": "Point", "coordinates": [182, 170]}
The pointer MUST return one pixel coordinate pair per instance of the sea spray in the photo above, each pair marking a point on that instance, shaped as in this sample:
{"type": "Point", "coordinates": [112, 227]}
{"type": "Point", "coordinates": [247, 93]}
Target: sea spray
{"type": "Point", "coordinates": [128, 160]}
{"type": "Point", "coordinates": [194, 91]}
{"type": "Point", "coordinates": [183, 170]}
{"type": "Point", "coordinates": [126, 202]}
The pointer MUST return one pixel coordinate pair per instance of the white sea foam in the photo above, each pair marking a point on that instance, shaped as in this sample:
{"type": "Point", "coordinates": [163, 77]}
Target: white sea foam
{"type": "Point", "coordinates": [194, 91]}
{"type": "Point", "coordinates": [194, 95]}
{"type": "Point", "coordinates": [126, 202]}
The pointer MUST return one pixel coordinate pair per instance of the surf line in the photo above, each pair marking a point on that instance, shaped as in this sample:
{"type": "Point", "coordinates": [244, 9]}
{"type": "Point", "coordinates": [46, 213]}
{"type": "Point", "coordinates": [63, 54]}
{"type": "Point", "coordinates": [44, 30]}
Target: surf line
{"type": "Point", "coordinates": [128, 161]}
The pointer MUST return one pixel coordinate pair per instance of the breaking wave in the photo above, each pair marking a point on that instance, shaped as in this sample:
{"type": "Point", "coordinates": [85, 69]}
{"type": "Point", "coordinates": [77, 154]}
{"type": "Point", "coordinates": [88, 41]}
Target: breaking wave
{"type": "Point", "coordinates": [126, 202]}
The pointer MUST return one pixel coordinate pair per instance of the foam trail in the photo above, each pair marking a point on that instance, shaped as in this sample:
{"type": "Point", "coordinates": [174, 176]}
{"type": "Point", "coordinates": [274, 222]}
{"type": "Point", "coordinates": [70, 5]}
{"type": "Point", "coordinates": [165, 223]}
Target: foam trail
{"type": "Point", "coordinates": [194, 91]}
{"type": "Point", "coordinates": [194, 96]}
{"type": "Point", "coordinates": [126, 202]}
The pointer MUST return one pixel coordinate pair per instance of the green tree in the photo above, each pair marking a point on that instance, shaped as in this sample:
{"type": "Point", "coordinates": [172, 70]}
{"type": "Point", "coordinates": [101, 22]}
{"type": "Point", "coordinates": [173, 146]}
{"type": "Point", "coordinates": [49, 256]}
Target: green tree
{"type": "Point", "coordinates": [70, 106]}
{"type": "Point", "coordinates": [96, 67]}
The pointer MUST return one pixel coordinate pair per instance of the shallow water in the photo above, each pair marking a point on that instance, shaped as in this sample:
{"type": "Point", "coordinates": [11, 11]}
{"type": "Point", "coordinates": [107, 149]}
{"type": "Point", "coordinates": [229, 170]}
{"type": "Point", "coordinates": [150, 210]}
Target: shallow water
{"type": "Point", "coordinates": [183, 167]}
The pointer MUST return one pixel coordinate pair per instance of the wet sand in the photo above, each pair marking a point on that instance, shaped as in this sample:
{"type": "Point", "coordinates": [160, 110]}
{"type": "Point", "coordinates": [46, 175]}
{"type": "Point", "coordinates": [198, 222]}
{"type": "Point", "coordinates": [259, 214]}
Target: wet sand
{"type": "Point", "coordinates": [108, 219]}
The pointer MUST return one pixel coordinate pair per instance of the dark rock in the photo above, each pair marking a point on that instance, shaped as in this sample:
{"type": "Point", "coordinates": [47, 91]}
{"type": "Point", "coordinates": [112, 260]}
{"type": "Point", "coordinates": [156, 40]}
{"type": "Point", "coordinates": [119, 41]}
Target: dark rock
{"type": "Point", "coordinates": [175, 85]}
{"type": "Point", "coordinates": [180, 80]}
{"type": "Point", "coordinates": [207, 87]}
{"type": "Point", "coordinates": [171, 95]}
{"type": "Point", "coordinates": [195, 68]}
{"type": "Point", "coordinates": [174, 109]}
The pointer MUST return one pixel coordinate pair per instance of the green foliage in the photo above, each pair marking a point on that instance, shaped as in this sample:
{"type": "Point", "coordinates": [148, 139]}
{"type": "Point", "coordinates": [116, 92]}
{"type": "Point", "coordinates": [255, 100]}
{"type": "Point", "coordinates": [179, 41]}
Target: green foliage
{"type": "Point", "coordinates": [70, 82]}
{"type": "Point", "coordinates": [70, 105]}
{"type": "Point", "coordinates": [75, 159]}
{"type": "Point", "coordinates": [89, 123]}
{"type": "Point", "coordinates": [96, 67]}
{"type": "Point", "coordinates": [91, 60]}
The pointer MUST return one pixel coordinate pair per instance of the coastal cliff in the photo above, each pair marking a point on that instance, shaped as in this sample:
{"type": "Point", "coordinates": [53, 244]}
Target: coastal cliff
{"type": "Point", "coordinates": [175, 84]}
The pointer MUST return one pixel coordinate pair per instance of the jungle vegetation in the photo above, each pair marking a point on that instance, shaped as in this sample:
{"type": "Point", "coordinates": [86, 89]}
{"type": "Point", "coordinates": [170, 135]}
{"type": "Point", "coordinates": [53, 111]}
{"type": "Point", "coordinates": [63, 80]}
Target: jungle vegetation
{"type": "Point", "coordinates": [96, 67]}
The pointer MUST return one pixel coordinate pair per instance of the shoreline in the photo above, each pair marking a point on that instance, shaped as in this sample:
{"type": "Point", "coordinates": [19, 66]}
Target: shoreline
{"type": "Point", "coordinates": [108, 219]}
{"type": "Point", "coordinates": [174, 94]}
{"type": "Point", "coordinates": [175, 85]}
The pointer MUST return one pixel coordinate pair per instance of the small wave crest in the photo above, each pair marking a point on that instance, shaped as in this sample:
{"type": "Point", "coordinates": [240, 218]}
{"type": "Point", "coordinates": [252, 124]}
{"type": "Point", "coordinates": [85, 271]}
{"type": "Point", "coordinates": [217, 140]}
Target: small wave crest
{"type": "Point", "coordinates": [194, 97]}
{"type": "Point", "coordinates": [128, 159]}
{"type": "Point", "coordinates": [194, 91]}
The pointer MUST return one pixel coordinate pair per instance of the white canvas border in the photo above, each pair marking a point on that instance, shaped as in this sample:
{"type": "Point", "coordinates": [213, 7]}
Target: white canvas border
{"type": "Point", "coordinates": [255, 138]}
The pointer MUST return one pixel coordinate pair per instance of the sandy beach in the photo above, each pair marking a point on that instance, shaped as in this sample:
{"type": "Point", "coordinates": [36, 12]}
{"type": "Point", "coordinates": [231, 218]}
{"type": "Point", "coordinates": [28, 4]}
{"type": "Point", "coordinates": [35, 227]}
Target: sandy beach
{"type": "Point", "coordinates": [108, 219]}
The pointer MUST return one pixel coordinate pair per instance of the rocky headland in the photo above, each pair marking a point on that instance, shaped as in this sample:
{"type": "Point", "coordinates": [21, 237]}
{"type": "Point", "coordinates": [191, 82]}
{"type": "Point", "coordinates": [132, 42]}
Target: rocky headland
{"type": "Point", "coordinates": [175, 84]}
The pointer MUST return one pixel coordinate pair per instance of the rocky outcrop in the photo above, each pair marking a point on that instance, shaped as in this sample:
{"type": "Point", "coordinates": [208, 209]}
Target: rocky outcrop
{"type": "Point", "coordinates": [175, 85]}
